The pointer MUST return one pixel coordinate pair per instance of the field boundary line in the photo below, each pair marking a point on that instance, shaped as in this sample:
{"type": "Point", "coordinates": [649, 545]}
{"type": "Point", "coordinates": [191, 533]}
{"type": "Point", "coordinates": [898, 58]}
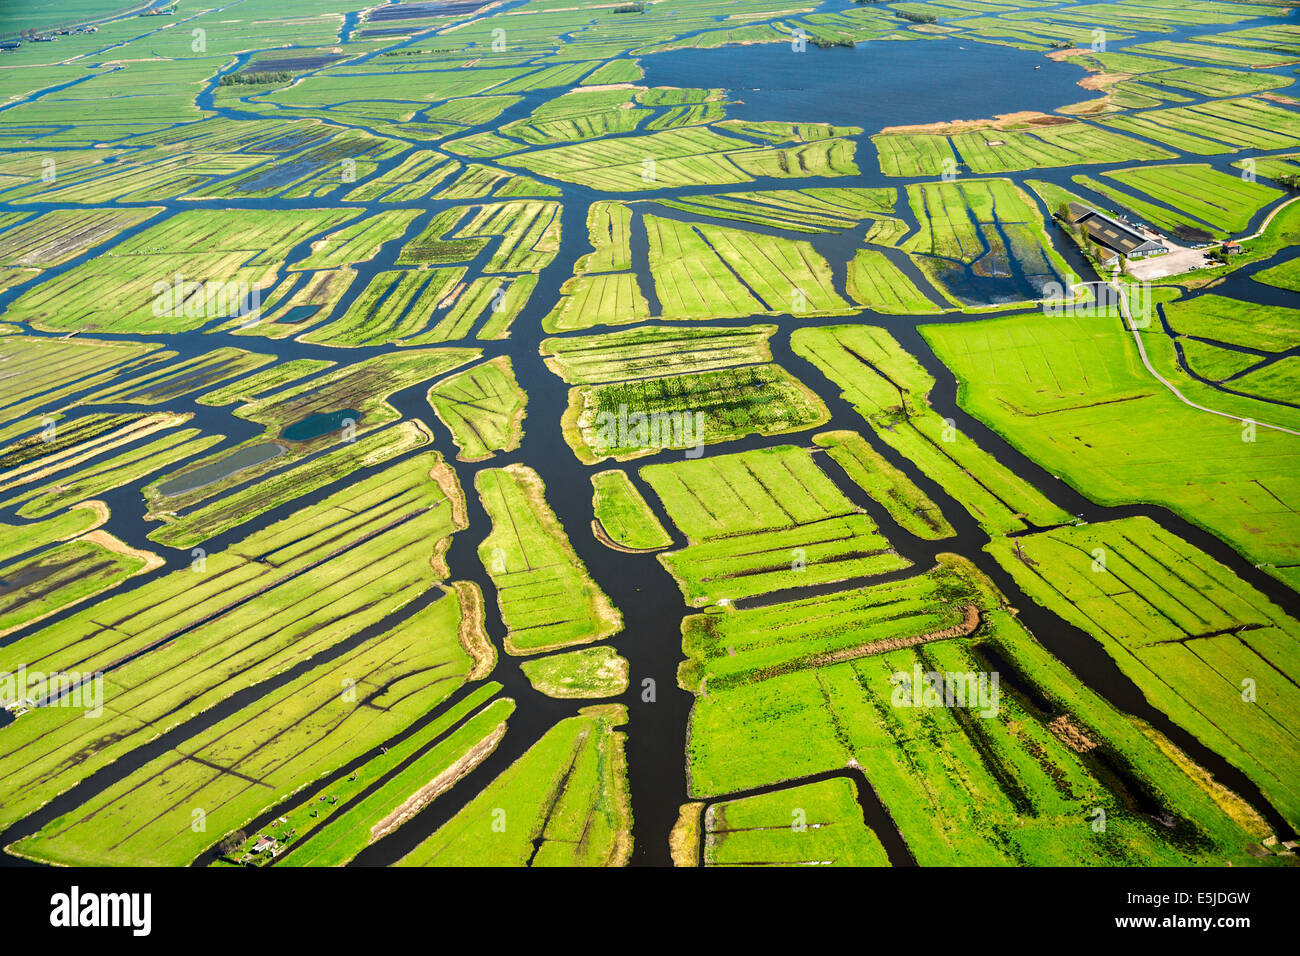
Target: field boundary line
{"type": "Point", "coordinates": [1142, 352]}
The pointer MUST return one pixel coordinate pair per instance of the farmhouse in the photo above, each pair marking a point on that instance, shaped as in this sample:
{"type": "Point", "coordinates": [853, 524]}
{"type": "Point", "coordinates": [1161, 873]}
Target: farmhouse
{"type": "Point", "coordinates": [265, 843]}
{"type": "Point", "coordinates": [1115, 238]}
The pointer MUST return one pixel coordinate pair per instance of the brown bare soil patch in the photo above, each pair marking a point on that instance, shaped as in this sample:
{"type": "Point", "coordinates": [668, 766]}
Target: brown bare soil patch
{"type": "Point", "coordinates": [970, 620]}
{"type": "Point", "coordinates": [1103, 81]}
{"type": "Point", "coordinates": [118, 546]}
{"type": "Point", "coordinates": [1062, 55]}
{"type": "Point", "coordinates": [450, 298]}
{"type": "Point", "coordinates": [445, 476]}
{"type": "Point", "coordinates": [473, 636]}
{"type": "Point", "coordinates": [684, 840]}
{"type": "Point", "coordinates": [1001, 121]}
{"type": "Point", "coordinates": [1064, 729]}
{"type": "Point", "coordinates": [439, 784]}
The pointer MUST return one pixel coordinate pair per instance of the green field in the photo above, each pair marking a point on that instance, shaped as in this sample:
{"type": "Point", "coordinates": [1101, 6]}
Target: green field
{"type": "Point", "coordinates": [815, 210]}
{"type": "Point", "coordinates": [397, 784]}
{"type": "Point", "coordinates": [984, 225]}
{"type": "Point", "coordinates": [483, 407]}
{"type": "Point", "coordinates": [1224, 202]}
{"type": "Point", "coordinates": [243, 764]}
{"type": "Point", "coordinates": [624, 420]}
{"type": "Point", "coordinates": [888, 388]}
{"type": "Point", "coordinates": [563, 803]}
{"type": "Point", "coordinates": [222, 254]}
{"type": "Point", "coordinates": [748, 537]}
{"type": "Point", "coordinates": [587, 673]}
{"type": "Point", "coordinates": [815, 824]}
{"type": "Point", "coordinates": [1007, 779]}
{"type": "Point", "coordinates": [246, 612]}
{"type": "Point", "coordinates": [622, 514]}
{"type": "Point", "coordinates": [1038, 144]}
{"type": "Point", "coordinates": [1204, 647]}
{"type": "Point", "coordinates": [1071, 393]}
{"type": "Point", "coordinates": [650, 351]}
{"type": "Point", "coordinates": [48, 578]}
{"type": "Point", "coordinates": [906, 504]}
{"type": "Point", "coordinates": [876, 282]}
{"type": "Point", "coordinates": [710, 272]}
{"type": "Point", "coordinates": [546, 597]}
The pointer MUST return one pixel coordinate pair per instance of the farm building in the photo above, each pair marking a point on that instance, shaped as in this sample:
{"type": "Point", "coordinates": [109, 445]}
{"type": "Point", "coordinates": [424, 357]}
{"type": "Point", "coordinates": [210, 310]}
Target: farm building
{"type": "Point", "coordinates": [265, 843]}
{"type": "Point", "coordinates": [1117, 238]}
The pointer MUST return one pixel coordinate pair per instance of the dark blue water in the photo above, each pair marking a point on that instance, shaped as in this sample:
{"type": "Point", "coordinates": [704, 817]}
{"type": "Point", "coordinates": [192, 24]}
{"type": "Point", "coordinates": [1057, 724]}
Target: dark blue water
{"type": "Point", "coordinates": [318, 424]}
{"type": "Point", "coordinates": [299, 313]}
{"type": "Point", "coordinates": [876, 84]}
